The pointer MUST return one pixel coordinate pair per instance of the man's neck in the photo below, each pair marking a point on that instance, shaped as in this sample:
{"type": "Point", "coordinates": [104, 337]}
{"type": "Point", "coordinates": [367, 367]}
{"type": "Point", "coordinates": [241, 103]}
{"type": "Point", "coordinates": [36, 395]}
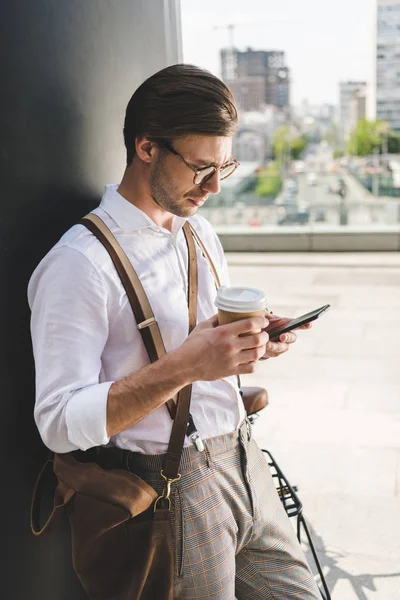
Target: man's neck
{"type": "Point", "coordinates": [135, 190]}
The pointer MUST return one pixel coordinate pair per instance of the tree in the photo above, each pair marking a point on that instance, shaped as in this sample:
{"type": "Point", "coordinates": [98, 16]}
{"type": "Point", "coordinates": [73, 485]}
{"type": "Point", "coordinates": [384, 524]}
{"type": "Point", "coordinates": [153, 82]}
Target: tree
{"type": "Point", "coordinates": [269, 181]}
{"type": "Point", "coordinates": [369, 135]}
{"type": "Point", "coordinates": [288, 144]}
{"type": "Point", "coordinates": [338, 153]}
{"type": "Point", "coordinates": [281, 144]}
{"type": "Point", "coordinates": [297, 147]}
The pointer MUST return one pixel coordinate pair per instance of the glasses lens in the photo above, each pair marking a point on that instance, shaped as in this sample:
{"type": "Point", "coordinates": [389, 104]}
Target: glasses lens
{"type": "Point", "coordinates": [204, 175]}
{"type": "Point", "coordinates": [228, 170]}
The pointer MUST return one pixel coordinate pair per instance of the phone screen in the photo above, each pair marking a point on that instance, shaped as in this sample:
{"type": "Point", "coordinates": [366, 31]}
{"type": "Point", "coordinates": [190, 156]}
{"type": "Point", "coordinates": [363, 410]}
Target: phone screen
{"type": "Point", "coordinates": [297, 322]}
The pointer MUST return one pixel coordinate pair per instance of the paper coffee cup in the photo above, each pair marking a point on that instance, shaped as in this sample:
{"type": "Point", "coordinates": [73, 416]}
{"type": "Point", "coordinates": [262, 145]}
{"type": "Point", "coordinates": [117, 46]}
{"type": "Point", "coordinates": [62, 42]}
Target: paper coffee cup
{"type": "Point", "coordinates": [236, 303]}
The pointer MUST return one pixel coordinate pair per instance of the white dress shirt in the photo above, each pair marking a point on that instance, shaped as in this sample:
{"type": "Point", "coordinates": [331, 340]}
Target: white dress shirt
{"type": "Point", "coordinates": [85, 336]}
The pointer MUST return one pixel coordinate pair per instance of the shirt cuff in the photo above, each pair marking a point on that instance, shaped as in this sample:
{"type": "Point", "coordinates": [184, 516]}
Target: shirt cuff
{"type": "Point", "coordinates": [86, 416]}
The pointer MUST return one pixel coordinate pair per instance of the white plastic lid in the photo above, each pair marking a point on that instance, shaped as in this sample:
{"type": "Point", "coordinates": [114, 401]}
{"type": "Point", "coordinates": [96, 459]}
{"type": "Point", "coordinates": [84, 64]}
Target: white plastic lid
{"type": "Point", "coordinates": [240, 299]}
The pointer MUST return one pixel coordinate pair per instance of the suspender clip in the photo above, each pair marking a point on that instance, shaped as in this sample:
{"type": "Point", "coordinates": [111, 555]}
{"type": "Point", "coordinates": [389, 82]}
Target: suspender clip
{"type": "Point", "coordinates": [198, 442]}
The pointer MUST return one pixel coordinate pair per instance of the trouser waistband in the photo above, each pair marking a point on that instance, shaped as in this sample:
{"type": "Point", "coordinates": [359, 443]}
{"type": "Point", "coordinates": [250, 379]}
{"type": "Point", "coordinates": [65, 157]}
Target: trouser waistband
{"type": "Point", "coordinates": [213, 447]}
{"type": "Point", "coordinates": [117, 458]}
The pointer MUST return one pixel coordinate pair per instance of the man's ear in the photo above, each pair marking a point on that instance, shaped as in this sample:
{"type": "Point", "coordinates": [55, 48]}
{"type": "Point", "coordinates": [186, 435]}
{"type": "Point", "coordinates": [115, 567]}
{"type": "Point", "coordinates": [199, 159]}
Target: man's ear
{"type": "Point", "coordinates": [145, 150]}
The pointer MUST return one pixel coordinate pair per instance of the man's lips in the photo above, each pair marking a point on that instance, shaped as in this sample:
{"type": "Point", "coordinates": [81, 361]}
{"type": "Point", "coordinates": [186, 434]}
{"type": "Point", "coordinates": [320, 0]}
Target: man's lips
{"type": "Point", "coordinates": [198, 201]}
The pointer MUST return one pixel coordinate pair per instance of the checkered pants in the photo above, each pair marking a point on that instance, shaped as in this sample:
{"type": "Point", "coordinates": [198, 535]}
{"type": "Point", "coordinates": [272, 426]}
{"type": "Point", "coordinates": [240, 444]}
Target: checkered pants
{"type": "Point", "coordinates": [232, 537]}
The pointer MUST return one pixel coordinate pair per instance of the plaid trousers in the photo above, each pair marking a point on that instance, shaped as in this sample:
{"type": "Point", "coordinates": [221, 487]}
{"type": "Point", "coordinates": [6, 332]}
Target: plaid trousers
{"type": "Point", "coordinates": [232, 536]}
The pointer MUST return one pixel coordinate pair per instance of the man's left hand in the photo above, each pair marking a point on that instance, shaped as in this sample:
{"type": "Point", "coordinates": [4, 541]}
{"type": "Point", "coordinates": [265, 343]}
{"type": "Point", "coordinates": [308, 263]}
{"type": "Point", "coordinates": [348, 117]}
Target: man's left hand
{"type": "Point", "coordinates": [276, 348]}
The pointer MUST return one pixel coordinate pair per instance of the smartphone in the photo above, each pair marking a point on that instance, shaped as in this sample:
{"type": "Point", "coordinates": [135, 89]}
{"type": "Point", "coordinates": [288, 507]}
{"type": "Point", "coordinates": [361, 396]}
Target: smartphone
{"type": "Point", "coordinates": [298, 322]}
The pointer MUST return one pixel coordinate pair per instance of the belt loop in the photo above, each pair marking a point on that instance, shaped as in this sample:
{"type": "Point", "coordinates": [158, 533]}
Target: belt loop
{"type": "Point", "coordinates": [243, 432]}
{"type": "Point", "coordinates": [249, 429]}
{"type": "Point", "coordinates": [207, 455]}
{"type": "Point", "coordinates": [127, 460]}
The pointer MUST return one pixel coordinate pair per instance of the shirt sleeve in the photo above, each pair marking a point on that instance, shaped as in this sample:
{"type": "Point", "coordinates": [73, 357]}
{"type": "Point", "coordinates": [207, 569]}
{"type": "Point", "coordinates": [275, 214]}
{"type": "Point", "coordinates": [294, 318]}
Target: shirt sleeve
{"type": "Point", "coordinates": [69, 327]}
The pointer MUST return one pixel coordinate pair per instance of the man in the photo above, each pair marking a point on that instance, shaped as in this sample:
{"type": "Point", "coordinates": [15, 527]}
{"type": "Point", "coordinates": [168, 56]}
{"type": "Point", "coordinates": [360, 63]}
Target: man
{"type": "Point", "coordinates": [232, 537]}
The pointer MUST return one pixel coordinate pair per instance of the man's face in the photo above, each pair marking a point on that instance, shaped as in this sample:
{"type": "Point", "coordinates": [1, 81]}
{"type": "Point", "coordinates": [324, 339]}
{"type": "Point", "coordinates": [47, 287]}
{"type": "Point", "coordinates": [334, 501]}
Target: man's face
{"type": "Point", "coordinates": [171, 181]}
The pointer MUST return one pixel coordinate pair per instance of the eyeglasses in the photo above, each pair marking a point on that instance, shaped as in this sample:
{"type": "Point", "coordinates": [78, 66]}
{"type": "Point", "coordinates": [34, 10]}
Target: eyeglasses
{"type": "Point", "coordinates": [201, 176]}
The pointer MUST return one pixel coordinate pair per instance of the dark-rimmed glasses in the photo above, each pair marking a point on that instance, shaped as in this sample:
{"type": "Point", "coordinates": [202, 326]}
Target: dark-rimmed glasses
{"type": "Point", "coordinates": [201, 176]}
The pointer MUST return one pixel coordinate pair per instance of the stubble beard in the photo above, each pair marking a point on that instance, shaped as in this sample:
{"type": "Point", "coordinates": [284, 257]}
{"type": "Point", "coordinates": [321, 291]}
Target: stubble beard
{"type": "Point", "coordinates": [165, 194]}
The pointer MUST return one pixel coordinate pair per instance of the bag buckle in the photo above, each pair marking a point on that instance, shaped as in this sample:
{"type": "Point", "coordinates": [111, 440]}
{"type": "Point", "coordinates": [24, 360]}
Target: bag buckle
{"type": "Point", "coordinates": [167, 490]}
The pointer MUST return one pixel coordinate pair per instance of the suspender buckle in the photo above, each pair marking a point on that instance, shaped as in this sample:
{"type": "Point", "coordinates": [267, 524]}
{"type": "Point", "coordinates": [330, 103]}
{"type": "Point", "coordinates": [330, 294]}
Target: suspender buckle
{"type": "Point", "coordinates": [167, 491]}
{"type": "Point", "coordinates": [147, 323]}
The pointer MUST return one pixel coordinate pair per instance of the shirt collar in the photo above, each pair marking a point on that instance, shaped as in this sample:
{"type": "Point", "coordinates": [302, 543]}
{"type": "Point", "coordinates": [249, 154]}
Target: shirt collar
{"type": "Point", "coordinates": [127, 216]}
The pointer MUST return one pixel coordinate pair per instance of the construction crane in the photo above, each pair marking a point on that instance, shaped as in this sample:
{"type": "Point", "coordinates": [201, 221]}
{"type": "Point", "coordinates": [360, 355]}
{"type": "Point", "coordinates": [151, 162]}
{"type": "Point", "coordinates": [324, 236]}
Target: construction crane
{"type": "Point", "coordinates": [230, 29]}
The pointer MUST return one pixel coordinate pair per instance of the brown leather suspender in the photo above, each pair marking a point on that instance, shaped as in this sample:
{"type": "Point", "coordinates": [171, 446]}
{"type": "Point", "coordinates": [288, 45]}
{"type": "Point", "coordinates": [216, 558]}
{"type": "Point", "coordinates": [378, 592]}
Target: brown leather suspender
{"type": "Point", "coordinates": [152, 339]}
{"type": "Point", "coordinates": [149, 329]}
{"type": "Point", "coordinates": [146, 321]}
{"type": "Point", "coordinates": [207, 256]}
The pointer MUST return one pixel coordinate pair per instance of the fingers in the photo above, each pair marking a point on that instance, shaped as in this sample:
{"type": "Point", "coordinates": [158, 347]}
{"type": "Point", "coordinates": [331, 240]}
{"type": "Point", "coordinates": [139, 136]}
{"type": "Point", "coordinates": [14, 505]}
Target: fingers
{"type": "Point", "coordinates": [246, 368]}
{"type": "Point", "coordinates": [250, 357]}
{"type": "Point", "coordinates": [306, 326]}
{"type": "Point", "coordinates": [274, 349]}
{"type": "Point", "coordinates": [278, 322]}
{"type": "Point", "coordinates": [288, 338]}
{"type": "Point", "coordinates": [246, 325]}
{"type": "Point", "coordinates": [210, 323]}
{"type": "Point", "coordinates": [213, 321]}
{"type": "Point", "coordinates": [253, 354]}
{"type": "Point", "coordinates": [254, 340]}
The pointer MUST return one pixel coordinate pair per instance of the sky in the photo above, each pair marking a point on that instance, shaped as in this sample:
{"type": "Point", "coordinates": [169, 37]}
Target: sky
{"type": "Point", "coordinates": [325, 41]}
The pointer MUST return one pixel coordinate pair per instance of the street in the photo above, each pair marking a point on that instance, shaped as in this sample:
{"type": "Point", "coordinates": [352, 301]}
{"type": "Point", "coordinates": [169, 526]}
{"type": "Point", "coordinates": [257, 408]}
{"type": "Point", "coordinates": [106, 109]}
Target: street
{"type": "Point", "coordinates": [307, 198]}
{"type": "Point", "coordinates": [322, 206]}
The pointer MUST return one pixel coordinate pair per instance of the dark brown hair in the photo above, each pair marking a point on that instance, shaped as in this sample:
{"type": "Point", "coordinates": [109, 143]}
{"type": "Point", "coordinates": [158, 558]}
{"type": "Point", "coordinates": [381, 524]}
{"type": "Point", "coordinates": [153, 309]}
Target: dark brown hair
{"type": "Point", "coordinates": [177, 101]}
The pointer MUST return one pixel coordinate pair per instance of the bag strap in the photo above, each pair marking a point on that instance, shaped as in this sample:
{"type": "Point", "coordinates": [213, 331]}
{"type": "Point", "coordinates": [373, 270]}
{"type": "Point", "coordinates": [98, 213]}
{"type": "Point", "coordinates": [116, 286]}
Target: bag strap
{"type": "Point", "coordinates": [62, 496]}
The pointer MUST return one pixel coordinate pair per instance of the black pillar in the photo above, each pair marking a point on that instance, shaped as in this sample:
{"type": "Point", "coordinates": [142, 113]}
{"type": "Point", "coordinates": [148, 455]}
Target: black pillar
{"type": "Point", "coordinates": [69, 68]}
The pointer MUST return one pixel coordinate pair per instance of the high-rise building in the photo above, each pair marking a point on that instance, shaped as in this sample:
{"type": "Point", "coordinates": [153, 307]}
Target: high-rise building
{"type": "Point", "coordinates": [349, 90]}
{"type": "Point", "coordinates": [358, 107]}
{"type": "Point", "coordinates": [388, 62]}
{"type": "Point", "coordinates": [256, 77]}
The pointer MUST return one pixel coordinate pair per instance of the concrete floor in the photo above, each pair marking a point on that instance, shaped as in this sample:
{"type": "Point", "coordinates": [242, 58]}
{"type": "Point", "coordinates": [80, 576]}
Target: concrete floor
{"type": "Point", "coordinates": [333, 422]}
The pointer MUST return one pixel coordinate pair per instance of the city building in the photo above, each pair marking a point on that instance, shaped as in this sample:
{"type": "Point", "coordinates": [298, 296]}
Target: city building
{"type": "Point", "coordinates": [388, 62]}
{"type": "Point", "coordinates": [358, 107]}
{"type": "Point", "coordinates": [256, 77]}
{"type": "Point", "coordinates": [315, 120]}
{"type": "Point", "coordinates": [253, 141]}
{"type": "Point", "coordinates": [249, 92]}
{"type": "Point", "coordinates": [350, 92]}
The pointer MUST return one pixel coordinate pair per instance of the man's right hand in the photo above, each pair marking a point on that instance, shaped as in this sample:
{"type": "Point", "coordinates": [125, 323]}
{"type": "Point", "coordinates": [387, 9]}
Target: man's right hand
{"type": "Point", "coordinates": [214, 351]}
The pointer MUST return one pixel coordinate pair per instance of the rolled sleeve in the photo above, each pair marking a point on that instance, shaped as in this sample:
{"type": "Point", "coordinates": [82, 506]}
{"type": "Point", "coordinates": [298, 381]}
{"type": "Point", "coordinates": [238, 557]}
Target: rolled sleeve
{"type": "Point", "coordinates": [69, 326]}
{"type": "Point", "coordinates": [86, 416]}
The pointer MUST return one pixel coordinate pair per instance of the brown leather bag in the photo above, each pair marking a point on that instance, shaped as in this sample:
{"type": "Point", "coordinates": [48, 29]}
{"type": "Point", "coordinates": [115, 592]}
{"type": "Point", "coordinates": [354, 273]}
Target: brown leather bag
{"type": "Point", "coordinates": [121, 532]}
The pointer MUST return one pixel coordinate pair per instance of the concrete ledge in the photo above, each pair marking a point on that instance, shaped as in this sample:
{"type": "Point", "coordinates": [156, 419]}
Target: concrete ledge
{"type": "Point", "coordinates": [308, 239]}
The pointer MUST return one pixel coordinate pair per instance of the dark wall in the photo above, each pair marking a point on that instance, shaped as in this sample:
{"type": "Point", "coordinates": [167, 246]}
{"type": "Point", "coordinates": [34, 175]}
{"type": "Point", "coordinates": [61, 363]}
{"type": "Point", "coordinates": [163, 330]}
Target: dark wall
{"type": "Point", "coordinates": [69, 68]}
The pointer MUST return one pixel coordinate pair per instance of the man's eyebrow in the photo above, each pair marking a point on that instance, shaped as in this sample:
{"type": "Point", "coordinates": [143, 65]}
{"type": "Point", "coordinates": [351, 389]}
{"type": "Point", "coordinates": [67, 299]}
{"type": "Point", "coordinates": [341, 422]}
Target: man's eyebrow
{"type": "Point", "coordinates": [200, 164]}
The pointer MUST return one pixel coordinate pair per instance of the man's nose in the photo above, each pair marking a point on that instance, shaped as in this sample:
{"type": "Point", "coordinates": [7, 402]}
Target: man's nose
{"type": "Point", "coordinates": [213, 185]}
